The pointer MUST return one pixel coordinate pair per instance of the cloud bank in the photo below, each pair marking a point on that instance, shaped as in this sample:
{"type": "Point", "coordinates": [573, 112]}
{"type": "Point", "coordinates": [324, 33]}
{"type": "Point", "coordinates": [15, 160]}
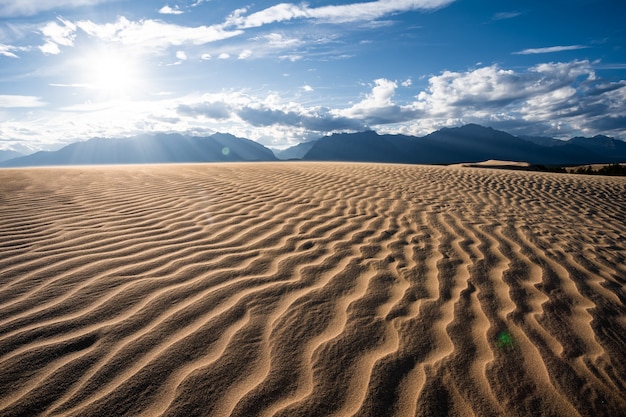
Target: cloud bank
{"type": "Point", "coordinates": [551, 97]}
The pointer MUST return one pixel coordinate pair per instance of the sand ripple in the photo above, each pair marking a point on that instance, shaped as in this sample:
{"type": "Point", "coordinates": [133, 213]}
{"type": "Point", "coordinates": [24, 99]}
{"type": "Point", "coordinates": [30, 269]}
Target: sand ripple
{"type": "Point", "coordinates": [311, 289]}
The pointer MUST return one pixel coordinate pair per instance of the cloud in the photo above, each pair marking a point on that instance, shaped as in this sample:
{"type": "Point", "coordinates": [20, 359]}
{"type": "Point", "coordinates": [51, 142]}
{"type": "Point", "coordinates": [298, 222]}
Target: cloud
{"type": "Point", "coordinates": [223, 55]}
{"type": "Point", "coordinates": [168, 10]}
{"type": "Point", "coordinates": [55, 34]}
{"type": "Point", "coordinates": [211, 110]}
{"type": "Point", "coordinates": [147, 35]}
{"type": "Point", "coordinates": [279, 40]}
{"type": "Point", "coordinates": [245, 54]}
{"type": "Point", "coordinates": [321, 120]}
{"type": "Point", "coordinates": [353, 12]}
{"type": "Point", "coordinates": [550, 49]}
{"type": "Point", "coordinates": [548, 99]}
{"type": "Point", "coordinates": [13, 8]}
{"type": "Point", "coordinates": [505, 15]}
{"type": "Point", "coordinates": [15, 101]}
{"type": "Point", "coordinates": [378, 107]}
{"type": "Point", "coordinates": [492, 87]}
{"type": "Point", "coordinates": [262, 112]}
{"type": "Point", "coordinates": [8, 50]}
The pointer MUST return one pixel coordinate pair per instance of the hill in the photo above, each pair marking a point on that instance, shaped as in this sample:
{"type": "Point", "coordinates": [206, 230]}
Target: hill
{"type": "Point", "coordinates": [469, 143]}
{"type": "Point", "coordinates": [159, 148]}
{"type": "Point", "coordinates": [466, 144]}
{"type": "Point", "coordinates": [6, 155]}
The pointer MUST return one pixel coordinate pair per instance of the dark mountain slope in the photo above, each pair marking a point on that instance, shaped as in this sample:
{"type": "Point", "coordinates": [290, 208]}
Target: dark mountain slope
{"type": "Point", "coordinates": [469, 143]}
{"type": "Point", "coordinates": [160, 148]}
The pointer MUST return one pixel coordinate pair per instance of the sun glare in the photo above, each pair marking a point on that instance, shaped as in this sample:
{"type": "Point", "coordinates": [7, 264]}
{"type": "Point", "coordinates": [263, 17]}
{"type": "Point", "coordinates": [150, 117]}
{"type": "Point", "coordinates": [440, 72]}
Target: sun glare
{"type": "Point", "coordinates": [113, 73]}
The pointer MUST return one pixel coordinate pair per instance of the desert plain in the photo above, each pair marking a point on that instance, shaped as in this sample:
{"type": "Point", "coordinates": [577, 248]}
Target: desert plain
{"type": "Point", "coordinates": [311, 289]}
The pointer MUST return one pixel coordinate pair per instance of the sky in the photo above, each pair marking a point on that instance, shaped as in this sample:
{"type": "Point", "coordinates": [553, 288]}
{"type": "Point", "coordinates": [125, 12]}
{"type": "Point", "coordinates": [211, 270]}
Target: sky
{"type": "Point", "coordinates": [284, 73]}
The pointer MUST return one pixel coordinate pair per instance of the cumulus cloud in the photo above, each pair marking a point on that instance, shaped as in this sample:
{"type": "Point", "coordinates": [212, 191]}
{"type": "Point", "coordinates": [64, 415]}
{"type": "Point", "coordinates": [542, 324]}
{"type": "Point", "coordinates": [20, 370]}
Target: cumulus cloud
{"type": "Point", "coordinates": [550, 49]}
{"type": "Point", "coordinates": [334, 14]}
{"type": "Point", "coordinates": [490, 88]}
{"type": "Point", "coordinates": [55, 34]}
{"type": "Point", "coordinates": [550, 98]}
{"type": "Point", "coordinates": [168, 10]}
{"type": "Point", "coordinates": [378, 106]}
{"type": "Point", "coordinates": [268, 111]}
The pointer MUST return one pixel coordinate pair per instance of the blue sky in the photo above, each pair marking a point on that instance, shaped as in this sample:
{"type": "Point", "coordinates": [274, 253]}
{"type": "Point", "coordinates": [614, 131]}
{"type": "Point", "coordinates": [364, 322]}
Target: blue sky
{"type": "Point", "coordinates": [282, 73]}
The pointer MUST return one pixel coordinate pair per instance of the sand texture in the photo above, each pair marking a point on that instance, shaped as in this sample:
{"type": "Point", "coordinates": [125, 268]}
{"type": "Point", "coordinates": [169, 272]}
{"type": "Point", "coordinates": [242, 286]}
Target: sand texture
{"type": "Point", "coordinates": [311, 289]}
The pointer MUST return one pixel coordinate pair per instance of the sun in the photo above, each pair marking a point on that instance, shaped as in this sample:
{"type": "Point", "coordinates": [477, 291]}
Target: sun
{"type": "Point", "coordinates": [112, 72]}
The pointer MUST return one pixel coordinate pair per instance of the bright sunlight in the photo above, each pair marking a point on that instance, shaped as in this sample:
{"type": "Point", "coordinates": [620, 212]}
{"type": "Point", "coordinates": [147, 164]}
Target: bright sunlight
{"type": "Point", "coordinates": [113, 72]}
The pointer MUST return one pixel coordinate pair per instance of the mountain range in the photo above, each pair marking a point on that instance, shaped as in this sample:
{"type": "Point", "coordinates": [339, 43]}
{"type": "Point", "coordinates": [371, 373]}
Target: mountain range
{"type": "Point", "coordinates": [469, 143]}
{"type": "Point", "coordinates": [158, 148]}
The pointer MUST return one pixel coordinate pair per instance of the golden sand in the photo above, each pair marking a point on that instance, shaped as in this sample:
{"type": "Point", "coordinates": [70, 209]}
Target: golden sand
{"type": "Point", "coordinates": [311, 289]}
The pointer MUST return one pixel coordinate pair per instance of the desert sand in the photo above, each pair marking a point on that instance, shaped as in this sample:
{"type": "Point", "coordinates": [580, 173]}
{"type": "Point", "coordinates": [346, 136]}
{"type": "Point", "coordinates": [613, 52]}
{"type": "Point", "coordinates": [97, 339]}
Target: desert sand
{"type": "Point", "coordinates": [311, 289]}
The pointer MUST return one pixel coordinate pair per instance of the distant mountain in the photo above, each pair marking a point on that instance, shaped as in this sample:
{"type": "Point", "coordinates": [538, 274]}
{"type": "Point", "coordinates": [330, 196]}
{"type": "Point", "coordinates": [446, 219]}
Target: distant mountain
{"type": "Point", "coordinates": [363, 146]}
{"type": "Point", "coordinates": [6, 155]}
{"type": "Point", "coordinates": [469, 143]}
{"type": "Point", "coordinates": [602, 145]}
{"type": "Point", "coordinates": [543, 140]}
{"type": "Point", "coordinates": [466, 144]}
{"type": "Point", "coordinates": [295, 152]}
{"type": "Point", "coordinates": [159, 148]}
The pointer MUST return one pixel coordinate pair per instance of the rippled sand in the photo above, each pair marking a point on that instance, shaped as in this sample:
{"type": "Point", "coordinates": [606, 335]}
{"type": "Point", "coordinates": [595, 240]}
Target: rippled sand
{"type": "Point", "coordinates": [311, 289]}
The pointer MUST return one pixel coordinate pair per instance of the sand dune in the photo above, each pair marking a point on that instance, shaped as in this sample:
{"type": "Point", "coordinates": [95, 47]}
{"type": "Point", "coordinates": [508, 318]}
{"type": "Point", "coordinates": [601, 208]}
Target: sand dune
{"type": "Point", "coordinates": [311, 289]}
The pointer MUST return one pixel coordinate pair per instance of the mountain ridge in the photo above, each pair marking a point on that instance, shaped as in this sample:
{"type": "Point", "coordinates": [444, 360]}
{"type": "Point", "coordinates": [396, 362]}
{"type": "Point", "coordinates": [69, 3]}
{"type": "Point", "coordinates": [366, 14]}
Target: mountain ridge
{"type": "Point", "coordinates": [158, 148]}
{"type": "Point", "coordinates": [465, 144]}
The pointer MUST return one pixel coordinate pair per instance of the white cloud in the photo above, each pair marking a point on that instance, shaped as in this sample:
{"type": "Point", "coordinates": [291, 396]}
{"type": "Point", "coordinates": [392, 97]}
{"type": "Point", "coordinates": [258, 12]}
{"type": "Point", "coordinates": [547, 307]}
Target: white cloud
{"type": "Point", "coordinates": [205, 57]}
{"type": "Point", "coordinates": [181, 55]}
{"type": "Point", "coordinates": [550, 49]}
{"type": "Point", "coordinates": [381, 95]}
{"type": "Point", "coordinates": [168, 10]}
{"type": "Point", "coordinates": [291, 57]}
{"type": "Point", "coordinates": [335, 14]}
{"type": "Point", "coordinates": [278, 40]}
{"type": "Point", "coordinates": [55, 35]}
{"type": "Point", "coordinates": [493, 87]}
{"type": "Point", "coordinates": [8, 50]}
{"type": "Point", "coordinates": [12, 8]}
{"type": "Point", "coordinates": [307, 88]}
{"type": "Point", "coordinates": [245, 54]}
{"type": "Point", "coordinates": [15, 101]}
{"type": "Point", "coordinates": [223, 55]}
{"type": "Point", "coordinates": [50, 48]}
{"type": "Point", "coordinates": [154, 34]}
